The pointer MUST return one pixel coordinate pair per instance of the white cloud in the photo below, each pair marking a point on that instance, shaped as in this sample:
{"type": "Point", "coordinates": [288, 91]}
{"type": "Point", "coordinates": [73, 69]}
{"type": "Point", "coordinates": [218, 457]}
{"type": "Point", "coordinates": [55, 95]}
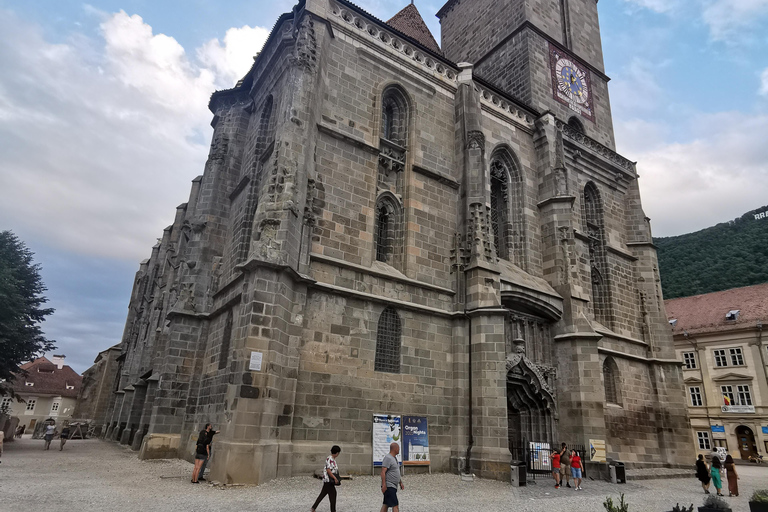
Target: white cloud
{"type": "Point", "coordinates": [654, 5]}
{"type": "Point", "coordinates": [234, 58]}
{"type": "Point", "coordinates": [764, 82]}
{"type": "Point", "coordinates": [716, 176]}
{"type": "Point", "coordinates": [99, 138]}
{"type": "Point", "coordinates": [729, 19]}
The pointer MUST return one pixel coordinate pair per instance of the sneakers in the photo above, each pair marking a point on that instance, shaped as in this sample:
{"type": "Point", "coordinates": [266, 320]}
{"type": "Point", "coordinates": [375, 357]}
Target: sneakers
{"type": "Point", "coordinates": [557, 486]}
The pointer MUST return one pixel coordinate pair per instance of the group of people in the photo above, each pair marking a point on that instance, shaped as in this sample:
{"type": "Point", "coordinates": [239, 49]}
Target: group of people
{"type": "Point", "coordinates": [50, 432]}
{"type": "Point", "coordinates": [713, 474]}
{"type": "Point", "coordinates": [203, 453]}
{"type": "Point", "coordinates": [390, 479]}
{"type": "Point", "coordinates": [566, 464]}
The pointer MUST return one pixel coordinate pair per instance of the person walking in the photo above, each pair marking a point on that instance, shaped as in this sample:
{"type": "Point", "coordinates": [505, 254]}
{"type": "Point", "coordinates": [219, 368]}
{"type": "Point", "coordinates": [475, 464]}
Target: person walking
{"type": "Point", "coordinates": [702, 473]}
{"type": "Point", "coordinates": [576, 470]}
{"type": "Point", "coordinates": [50, 431]}
{"type": "Point", "coordinates": [565, 465]}
{"type": "Point", "coordinates": [556, 468]}
{"type": "Point", "coordinates": [390, 479]}
{"type": "Point", "coordinates": [732, 476]}
{"type": "Point", "coordinates": [2, 436]}
{"type": "Point", "coordinates": [63, 437]}
{"type": "Point", "coordinates": [201, 474]}
{"type": "Point", "coordinates": [330, 479]}
{"type": "Point", "coordinates": [201, 452]}
{"type": "Point", "coordinates": [714, 472]}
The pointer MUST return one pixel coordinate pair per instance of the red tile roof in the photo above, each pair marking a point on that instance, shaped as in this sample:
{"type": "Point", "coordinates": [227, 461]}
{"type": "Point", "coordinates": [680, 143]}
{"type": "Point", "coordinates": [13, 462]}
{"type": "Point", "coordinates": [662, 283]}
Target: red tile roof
{"type": "Point", "coordinates": [48, 379]}
{"type": "Point", "coordinates": [707, 312]}
{"type": "Point", "coordinates": [409, 22]}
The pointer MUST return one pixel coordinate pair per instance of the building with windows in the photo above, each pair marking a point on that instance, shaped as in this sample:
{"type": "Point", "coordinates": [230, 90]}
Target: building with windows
{"type": "Point", "coordinates": [48, 390]}
{"type": "Point", "coordinates": [98, 384]}
{"type": "Point", "coordinates": [388, 225]}
{"type": "Point", "coordinates": [719, 338]}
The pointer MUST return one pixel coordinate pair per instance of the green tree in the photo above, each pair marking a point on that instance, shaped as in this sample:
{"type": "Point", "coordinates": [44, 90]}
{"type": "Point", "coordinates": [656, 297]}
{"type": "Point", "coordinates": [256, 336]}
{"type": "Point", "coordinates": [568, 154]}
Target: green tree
{"type": "Point", "coordinates": [21, 311]}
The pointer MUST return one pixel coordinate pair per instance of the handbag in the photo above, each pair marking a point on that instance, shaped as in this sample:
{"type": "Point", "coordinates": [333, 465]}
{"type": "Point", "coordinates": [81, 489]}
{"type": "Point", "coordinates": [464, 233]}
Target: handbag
{"type": "Point", "coordinates": [338, 478]}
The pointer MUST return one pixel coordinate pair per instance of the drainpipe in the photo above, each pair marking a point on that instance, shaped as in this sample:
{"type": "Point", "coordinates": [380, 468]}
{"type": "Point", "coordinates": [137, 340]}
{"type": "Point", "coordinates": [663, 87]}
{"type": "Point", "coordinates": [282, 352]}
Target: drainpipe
{"type": "Point", "coordinates": [467, 467]}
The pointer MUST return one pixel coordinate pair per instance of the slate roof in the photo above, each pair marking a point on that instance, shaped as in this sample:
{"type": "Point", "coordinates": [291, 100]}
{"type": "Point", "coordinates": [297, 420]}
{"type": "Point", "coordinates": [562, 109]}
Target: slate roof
{"type": "Point", "coordinates": [47, 379]}
{"type": "Point", "coordinates": [707, 312]}
{"type": "Point", "coordinates": [409, 22]}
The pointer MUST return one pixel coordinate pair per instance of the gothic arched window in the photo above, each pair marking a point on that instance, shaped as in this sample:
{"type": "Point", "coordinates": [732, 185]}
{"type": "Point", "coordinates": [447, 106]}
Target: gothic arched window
{"type": "Point", "coordinates": [266, 130]}
{"type": "Point", "coordinates": [506, 206]}
{"type": "Point", "coordinates": [611, 381]}
{"type": "Point", "coordinates": [387, 233]}
{"type": "Point", "coordinates": [593, 217]}
{"type": "Point", "coordinates": [576, 124]}
{"type": "Point", "coordinates": [388, 341]}
{"type": "Point", "coordinates": [394, 116]}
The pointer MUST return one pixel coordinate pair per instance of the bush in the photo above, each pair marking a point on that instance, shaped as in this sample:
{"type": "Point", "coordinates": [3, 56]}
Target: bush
{"type": "Point", "coordinates": [713, 501]}
{"type": "Point", "coordinates": [678, 508]}
{"type": "Point", "coordinates": [760, 495]}
{"type": "Point", "coordinates": [610, 507]}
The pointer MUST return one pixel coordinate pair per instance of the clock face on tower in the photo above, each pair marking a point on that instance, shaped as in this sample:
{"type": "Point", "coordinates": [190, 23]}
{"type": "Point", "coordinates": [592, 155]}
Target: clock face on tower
{"type": "Point", "coordinates": [570, 83]}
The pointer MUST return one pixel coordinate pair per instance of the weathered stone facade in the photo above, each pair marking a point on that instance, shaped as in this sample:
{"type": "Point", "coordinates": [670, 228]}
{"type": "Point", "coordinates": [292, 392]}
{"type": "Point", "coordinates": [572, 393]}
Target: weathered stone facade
{"type": "Point", "coordinates": [394, 233]}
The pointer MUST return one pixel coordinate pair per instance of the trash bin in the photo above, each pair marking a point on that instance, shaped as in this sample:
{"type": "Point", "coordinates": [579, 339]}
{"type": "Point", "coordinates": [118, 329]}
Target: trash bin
{"type": "Point", "coordinates": [518, 474]}
{"type": "Point", "coordinates": [618, 473]}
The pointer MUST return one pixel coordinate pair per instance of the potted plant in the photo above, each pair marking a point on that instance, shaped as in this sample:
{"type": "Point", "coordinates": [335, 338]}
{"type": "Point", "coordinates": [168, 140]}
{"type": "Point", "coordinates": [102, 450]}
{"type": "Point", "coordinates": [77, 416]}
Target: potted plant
{"type": "Point", "coordinates": [714, 504]}
{"type": "Point", "coordinates": [622, 506]}
{"type": "Point", "coordinates": [759, 501]}
{"type": "Point", "coordinates": [678, 508]}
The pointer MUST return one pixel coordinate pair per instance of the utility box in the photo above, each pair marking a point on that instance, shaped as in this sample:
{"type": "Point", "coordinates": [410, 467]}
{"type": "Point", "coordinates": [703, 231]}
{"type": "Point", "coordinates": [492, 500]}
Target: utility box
{"type": "Point", "coordinates": [618, 473]}
{"type": "Point", "coordinates": [518, 473]}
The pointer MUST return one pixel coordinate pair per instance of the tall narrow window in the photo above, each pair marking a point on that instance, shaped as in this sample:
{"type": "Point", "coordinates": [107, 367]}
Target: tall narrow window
{"type": "Point", "coordinates": [689, 360]}
{"type": "Point", "coordinates": [388, 231]}
{"type": "Point", "coordinates": [611, 381]}
{"type": "Point", "coordinates": [388, 342]}
{"type": "Point", "coordinates": [226, 340]}
{"type": "Point", "coordinates": [394, 116]}
{"type": "Point", "coordinates": [695, 392]}
{"type": "Point", "coordinates": [265, 132]}
{"type": "Point", "coordinates": [576, 124]}
{"type": "Point", "coordinates": [703, 438]}
{"type": "Point", "coordinates": [507, 206]}
{"type": "Point", "coordinates": [593, 213]}
{"type": "Point", "coordinates": [737, 358]}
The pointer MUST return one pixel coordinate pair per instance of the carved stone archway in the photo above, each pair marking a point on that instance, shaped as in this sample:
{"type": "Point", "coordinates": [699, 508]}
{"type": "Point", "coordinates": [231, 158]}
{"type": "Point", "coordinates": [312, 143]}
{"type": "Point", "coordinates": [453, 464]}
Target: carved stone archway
{"type": "Point", "coordinates": [531, 404]}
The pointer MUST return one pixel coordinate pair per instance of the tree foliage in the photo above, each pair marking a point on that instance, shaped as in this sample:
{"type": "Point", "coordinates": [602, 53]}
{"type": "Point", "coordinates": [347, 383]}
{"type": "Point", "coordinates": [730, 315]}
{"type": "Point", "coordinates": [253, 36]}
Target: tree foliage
{"type": "Point", "coordinates": [728, 255]}
{"type": "Point", "coordinates": [21, 311]}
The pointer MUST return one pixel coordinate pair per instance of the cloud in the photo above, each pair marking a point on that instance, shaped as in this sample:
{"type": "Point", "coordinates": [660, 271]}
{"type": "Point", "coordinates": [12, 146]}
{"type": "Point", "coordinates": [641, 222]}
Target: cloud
{"type": "Point", "coordinates": [719, 174]}
{"type": "Point", "coordinates": [659, 6]}
{"type": "Point", "coordinates": [232, 59]}
{"type": "Point", "coordinates": [728, 20]}
{"type": "Point", "coordinates": [764, 82]}
{"type": "Point", "coordinates": [100, 136]}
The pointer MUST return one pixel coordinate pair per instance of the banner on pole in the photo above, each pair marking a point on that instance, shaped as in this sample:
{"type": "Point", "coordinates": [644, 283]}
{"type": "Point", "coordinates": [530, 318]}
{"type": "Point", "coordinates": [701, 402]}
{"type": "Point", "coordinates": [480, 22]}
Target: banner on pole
{"type": "Point", "coordinates": [415, 441]}
{"type": "Point", "coordinates": [386, 430]}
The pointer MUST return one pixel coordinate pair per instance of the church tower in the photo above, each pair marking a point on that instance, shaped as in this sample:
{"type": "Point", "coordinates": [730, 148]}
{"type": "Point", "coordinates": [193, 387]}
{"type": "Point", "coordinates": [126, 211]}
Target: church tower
{"type": "Point", "coordinates": [546, 53]}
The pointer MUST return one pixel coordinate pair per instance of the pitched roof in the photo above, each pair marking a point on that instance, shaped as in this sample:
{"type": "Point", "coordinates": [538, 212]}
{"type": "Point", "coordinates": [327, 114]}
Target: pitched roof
{"type": "Point", "coordinates": [409, 22]}
{"type": "Point", "coordinates": [47, 379]}
{"type": "Point", "coordinates": [707, 312]}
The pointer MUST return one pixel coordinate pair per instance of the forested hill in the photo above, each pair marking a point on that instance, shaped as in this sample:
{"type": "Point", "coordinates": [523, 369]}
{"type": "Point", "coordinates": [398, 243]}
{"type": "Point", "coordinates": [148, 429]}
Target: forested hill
{"type": "Point", "coordinates": [728, 255]}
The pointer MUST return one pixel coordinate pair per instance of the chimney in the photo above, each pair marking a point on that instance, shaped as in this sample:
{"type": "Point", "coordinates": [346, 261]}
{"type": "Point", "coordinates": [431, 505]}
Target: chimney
{"type": "Point", "coordinates": [59, 361]}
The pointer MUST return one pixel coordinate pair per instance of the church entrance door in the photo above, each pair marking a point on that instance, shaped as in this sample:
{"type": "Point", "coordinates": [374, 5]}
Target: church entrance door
{"type": "Point", "coordinates": [530, 404]}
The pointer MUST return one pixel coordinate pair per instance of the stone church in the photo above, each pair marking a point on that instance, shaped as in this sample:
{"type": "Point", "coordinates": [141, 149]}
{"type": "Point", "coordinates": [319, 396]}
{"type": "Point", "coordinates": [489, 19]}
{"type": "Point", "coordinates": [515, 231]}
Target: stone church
{"type": "Point", "coordinates": [388, 225]}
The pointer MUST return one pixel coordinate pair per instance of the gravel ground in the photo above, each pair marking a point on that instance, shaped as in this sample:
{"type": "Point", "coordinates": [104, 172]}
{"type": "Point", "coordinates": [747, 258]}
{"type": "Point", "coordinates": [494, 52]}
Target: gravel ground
{"type": "Point", "coordinates": [94, 475]}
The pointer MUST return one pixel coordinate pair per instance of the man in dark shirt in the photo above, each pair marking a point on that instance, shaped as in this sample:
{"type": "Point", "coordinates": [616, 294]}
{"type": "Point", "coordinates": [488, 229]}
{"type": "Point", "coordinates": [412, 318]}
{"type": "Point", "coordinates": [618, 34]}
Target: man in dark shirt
{"type": "Point", "coordinates": [210, 433]}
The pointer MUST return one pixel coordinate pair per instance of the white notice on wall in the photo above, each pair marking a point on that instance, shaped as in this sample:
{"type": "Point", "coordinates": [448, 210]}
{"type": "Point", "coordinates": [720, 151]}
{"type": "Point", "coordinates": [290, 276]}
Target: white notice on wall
{"type": "Point", "coordinates": [255, 361]}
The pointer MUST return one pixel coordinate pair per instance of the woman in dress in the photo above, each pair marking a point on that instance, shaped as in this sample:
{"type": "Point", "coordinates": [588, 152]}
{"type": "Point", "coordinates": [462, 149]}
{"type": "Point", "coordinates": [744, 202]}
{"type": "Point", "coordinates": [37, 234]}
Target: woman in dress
{"type": "Point", "coordinates": [733, 476]}
{"type": "Point", "coordinates": [330, 479]}
{"type": "Point", "coordinates": [702, 473]}
{"type": "Point", "coordinates": [714, 471]}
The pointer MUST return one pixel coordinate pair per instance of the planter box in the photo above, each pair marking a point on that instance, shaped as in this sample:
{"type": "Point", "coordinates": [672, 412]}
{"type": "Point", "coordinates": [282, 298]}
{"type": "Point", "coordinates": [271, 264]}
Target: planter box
{"type": "Point", "coordinates": [708, 509]}
{"type": "Point", "coordinates": [758, 506]}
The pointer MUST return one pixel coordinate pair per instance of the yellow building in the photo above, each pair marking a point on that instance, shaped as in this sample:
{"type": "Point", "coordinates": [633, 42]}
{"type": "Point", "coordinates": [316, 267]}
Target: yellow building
{"type": "Point", "coordinates": [719, 338]}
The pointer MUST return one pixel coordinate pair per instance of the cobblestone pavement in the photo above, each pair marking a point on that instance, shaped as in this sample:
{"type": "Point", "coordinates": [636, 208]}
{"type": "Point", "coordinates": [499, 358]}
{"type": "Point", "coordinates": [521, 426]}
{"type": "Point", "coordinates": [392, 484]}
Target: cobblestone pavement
{"type": "Point", "coordinates": [94, 475]}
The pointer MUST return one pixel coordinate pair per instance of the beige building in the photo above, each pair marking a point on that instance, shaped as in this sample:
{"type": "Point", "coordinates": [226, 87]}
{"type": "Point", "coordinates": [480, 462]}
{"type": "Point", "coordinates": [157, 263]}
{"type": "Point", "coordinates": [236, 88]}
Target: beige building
{"type": "Point", "coordinates": [48, 390]}
{"type": "Point", "coordinates": [719, 338]}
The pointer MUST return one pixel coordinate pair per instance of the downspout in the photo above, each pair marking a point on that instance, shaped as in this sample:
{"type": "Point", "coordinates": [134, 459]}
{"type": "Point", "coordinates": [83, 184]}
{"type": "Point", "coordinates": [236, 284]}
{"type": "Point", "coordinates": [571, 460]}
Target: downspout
{"type": "Point", "coordinates": [467, 467]}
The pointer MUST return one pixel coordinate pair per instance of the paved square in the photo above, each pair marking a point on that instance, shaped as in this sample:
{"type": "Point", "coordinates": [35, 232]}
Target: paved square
{"type": "Point", "coordinates": [95, 475]}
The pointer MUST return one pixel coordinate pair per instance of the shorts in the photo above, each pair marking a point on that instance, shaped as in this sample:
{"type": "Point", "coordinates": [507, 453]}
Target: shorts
{"type": "Point", "coordinates": [565, 468]}
{"type": "Point", "coordinates": [390, 497]}
{"type": "Point", "coordinates": [555, 471]}
{"type": "Point", "coordinates": [200, 456]}
{"type": "Point", "coordinates": [48, 437]}
{"type": "Point", "coordinates": [576, 472]}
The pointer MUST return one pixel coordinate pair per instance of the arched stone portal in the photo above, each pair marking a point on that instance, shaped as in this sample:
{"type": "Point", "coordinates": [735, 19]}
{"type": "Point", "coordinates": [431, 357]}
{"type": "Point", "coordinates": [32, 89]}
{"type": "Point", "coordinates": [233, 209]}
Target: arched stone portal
{"type": "Point", "coordinates": [746, 439]}
{"type": "Point", "coordinates": [531, 405]}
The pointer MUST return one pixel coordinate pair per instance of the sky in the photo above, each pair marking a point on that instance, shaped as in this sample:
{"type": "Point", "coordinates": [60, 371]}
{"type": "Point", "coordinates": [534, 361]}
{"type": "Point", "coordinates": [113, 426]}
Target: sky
{"type": "Point", "coordinates": [104, 123]}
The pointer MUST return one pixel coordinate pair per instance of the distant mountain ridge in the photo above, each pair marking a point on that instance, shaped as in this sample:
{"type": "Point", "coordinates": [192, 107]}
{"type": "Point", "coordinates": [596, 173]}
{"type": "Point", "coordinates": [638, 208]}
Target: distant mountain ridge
{"type": "Point", "coordinates": [728, 255]}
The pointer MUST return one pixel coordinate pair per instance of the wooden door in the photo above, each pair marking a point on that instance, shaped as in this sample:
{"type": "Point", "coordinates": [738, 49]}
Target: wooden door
{"type": "Point", "coordinates": [746, 441]}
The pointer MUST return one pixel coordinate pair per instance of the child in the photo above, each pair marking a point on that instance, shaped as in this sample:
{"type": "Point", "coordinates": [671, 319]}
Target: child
{"type": "Point", "coordinates": [556, 468]}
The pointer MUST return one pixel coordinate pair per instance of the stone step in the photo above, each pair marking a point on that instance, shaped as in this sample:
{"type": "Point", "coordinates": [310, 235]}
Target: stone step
{"type": "Point", "coordinates": [659, 473]}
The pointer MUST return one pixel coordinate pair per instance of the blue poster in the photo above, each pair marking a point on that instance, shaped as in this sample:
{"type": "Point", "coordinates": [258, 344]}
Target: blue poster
{"type": "Point", "coordinates": [765, 430]}
{"type": "Point", "coordinates": [415, 441]}
{"type": "Point", "coordinates": [718, 428]}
